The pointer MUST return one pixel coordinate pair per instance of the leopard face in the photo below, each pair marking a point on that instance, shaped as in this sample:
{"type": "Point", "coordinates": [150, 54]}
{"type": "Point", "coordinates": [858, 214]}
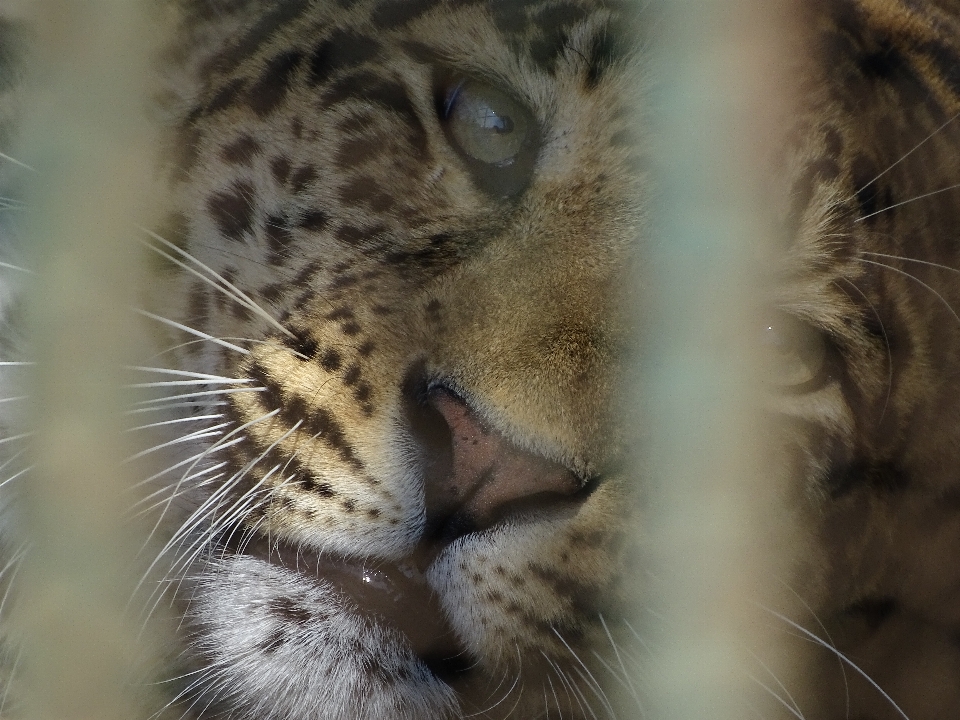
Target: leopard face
{"type": "Point", "coordinates": [418, 493]}
{"type": "Point", "coordinates": [396, 265]}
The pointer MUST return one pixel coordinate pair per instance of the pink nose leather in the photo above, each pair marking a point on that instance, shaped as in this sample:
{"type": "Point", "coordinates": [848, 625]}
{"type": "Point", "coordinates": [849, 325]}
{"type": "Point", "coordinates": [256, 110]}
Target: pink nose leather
{"type": "Point", "coordinates": [488, 473]}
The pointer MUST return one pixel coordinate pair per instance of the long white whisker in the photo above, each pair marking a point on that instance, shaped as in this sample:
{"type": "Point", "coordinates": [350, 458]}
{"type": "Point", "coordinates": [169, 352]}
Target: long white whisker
{"type": "Point", "coordinates": [175, 421]}
{"type": "Point", "coordinates": [793, 711]}
{"type": "Point", "coordinates": [593, 684]}
{"type": "Point", "coordinates": [907, 202]}
{"type": "Point", "coordinates": [16, 162]}
{"type": "Point", "coordinates": [220, 445]}
{"type": "Point", "coordinates": [188, 383]}
{"type": "Point", "coordinates": [212, 431]}
{"type": "Point", "coordinates": [616, 652]}
{"type": "Point", "coordinates": [193, 331]}
{"type": "Point", "coordinates": [856, 668]}
{"type": "Point", "coordinates": [173, 406]}
{"type": "Point", "coordinates": [198, 393]}
{"type": "Point", "coordinates": [185, 373]}
{"type": "Point", "coordinates": [213, 448]}
{"type": "Point", "coordinates": [908, 153]}
{"type": "Point", "coordinates": [916, 280]}
{"type": "Point", "coordinates": [793, 703]}
{"type": "Point", "coordinates": [11, 266]}
{"type": "Point", "coordinates": [16, 475]}
{"type": "Point", "coordinates": [227, 287]}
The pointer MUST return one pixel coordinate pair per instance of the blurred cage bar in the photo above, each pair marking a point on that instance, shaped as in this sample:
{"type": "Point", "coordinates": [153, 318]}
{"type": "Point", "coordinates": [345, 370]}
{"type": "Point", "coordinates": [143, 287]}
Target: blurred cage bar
{"type": "Point", "coordinates": [86, 136]}
{"type": "Point", "coordinates": [712, 514]}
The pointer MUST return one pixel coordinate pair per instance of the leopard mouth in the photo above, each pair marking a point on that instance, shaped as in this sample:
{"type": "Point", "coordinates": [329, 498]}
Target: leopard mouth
{"type": "Point", "coordinates": [395, 595]}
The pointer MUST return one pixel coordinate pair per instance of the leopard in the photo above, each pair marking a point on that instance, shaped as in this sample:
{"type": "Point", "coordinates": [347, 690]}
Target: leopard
{"type": "Point", "coordinates": [391, 294]}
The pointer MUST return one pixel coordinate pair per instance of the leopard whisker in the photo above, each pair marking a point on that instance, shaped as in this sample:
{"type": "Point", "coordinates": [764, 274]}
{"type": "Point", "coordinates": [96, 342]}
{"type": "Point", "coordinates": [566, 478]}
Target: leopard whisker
{"type": "Point", "coordinates": [555, 697]}
{"type": "Point", "coordinates": [242, 473]}
{"type": "Point", "coordinates": [187, 557]}
{"type": "Point", "coordinates": [160, 401]}
{"type": "Point", "coordinates": [212, 431]}
{"type": "Point", "coordinates": [589, 679]}
{"type": "Point", "coordinates": [173, 406]}
{"type": "Point", "coordinates": [16, 475]}
{"type": "Point", "coordinates": [907, 154]}
{"type": "Point", "coordinates": [164, 497]}
{"type": "Point", "coordinates": [816, 639]}
{"type": "Point", "coordinates": [186, 373]}
{"type": "Point", "coordinates": [886, 341]}
{"type": "Point", "coordinates": [616, 651]}
{"type": "Point", "coordinates": [251, 341]}
{"type": "Point", "coordinates": [227, 288]}
{"type": "Point", "coordinates": [793, 706]}
{"type": "Point", "coordinates": [10, 678]}
{"type": "Point", "coordinates": [185, 527]}
{"type": "Point", "coordinates": [186, 461]}
{"type": "Point", "coordinates": [8, 158]}
{"type": "Point", "coordinates": [570, 686]}
{"type": "Point", "coordinates": [916, 280]}
{"type": "Point", "coordinates": [908, 201]}
{"type": "Point", "coordinates": [174, 421]}
{"type": "Point", "coordinates": [939, 266]}
{"type": "Point", "coordinates": [503, 699]}
{"type": "Point", "coordinates": [826, 633]}
{"type": "Point", "coordinates": [11, 266]}
{"type": "Point", "coordinates": [773, 693]}
{"type": "Point", "coordinates": [193, 331]}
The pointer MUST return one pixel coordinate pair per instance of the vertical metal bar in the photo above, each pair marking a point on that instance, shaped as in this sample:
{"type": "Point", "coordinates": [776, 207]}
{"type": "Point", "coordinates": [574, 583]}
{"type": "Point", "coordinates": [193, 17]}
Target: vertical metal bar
{"type": "Point", "coordinates": [711, 498]}
{"type": "Point", "coordinates": [86, 136]}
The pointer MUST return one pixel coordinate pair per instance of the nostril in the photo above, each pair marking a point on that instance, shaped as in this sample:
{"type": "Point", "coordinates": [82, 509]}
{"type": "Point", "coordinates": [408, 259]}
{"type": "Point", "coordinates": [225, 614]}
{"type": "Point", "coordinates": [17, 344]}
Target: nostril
{"type": "Point", "coordinates": [473, 476]}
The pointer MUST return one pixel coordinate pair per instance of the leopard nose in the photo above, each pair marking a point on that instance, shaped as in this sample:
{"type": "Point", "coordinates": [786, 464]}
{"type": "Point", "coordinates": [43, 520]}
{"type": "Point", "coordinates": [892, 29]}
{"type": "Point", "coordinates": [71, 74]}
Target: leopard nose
{"type": "Point", "coordinates": [477, 476]}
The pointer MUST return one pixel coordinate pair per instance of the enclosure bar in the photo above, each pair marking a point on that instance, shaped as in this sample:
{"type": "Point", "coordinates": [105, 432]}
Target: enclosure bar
{"type": "Point", "coordinates": [709, 502]}
{"type": "Point", "coordinates": [86, 137]}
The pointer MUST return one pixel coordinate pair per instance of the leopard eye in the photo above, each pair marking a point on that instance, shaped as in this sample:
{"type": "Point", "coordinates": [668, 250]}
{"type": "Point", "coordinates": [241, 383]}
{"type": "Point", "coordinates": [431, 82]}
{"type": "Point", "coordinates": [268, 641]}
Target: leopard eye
{"type": "Point", "coordinates": [495, 135]}
{"type": "Point", "coordinates": [795, 353]}
{"type": "Point", "coordinates": [486, 124]}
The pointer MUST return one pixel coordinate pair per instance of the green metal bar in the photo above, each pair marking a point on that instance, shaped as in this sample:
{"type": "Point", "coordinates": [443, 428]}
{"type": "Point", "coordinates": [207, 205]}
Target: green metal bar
{"type": "Point", "coordinates": [710, 498]}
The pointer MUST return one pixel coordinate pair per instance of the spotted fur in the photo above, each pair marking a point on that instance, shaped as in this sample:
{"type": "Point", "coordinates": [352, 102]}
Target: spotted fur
{"type": "Point", "coordinates": [390, 329]}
